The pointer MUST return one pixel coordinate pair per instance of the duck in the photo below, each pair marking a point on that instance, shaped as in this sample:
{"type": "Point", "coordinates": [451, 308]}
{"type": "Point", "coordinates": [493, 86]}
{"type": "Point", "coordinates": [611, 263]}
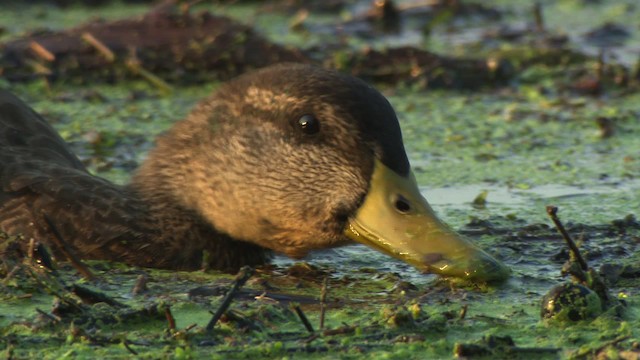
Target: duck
{"type": "Point", "coordinates": [289, 159]}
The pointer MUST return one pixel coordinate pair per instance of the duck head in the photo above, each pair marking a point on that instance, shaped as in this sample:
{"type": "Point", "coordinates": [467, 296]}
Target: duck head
{"type": "Point", "coordinates": [296, 158]}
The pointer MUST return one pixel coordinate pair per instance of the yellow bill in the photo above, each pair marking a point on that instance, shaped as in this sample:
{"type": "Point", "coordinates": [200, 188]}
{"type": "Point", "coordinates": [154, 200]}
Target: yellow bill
{"type": "Point", "coordinates": [397, 220]}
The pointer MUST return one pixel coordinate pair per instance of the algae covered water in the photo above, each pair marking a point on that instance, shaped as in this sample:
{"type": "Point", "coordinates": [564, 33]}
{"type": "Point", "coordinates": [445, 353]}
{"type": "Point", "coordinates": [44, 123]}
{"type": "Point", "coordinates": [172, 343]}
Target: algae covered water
{"type": "Point", "coordinates": [562, 129]}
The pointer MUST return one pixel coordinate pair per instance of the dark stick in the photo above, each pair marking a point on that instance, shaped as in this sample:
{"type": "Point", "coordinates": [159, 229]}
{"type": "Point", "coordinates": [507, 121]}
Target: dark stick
{"type": "Point", "coordinates": [52, 317]}
{"type": "Point", "coordinates": [141, 285]}
{"type": "Point", "coordinates": [552, 211]}
{"type": "Point", "coordinates": [43, 256]}
{"type": "Point", "coordinates": [170, 319]}
{"type": "Point", "coordinates": [303, 318]}
{"type": "Point", "coordinates": [615, 341]}
{"type": "Point", "coordinates": [600, 66]}
{"type": "Point", "coordinates": [339, 331]}
{"type": "Point", "coordinates": [463, 312]}
{"type": "Point", "coordinates": [311, 338]}
{"type": "Point", "coordinates": [64, 249]}
{"type": "Point", "coordinates": [534, 350]}
{"type": "Point", "coordinates": [32, 248]}
{"type": "Point", "coordinates": [243, 275]}
{"type": "Point", "coordinates": [11, 273]}
{"type": "Point", "coordinates": [128, 347]}
{"type": "Point", "coordinates": [180, 334]}
{"type": "Point", "coordinates": [538, 17]}
{"type": "Point", "coordinates": [323, 303]}
{"type": "Point", "coordinates": [89, 296]}
{"type": "Point", "coordinates": [46, 281]}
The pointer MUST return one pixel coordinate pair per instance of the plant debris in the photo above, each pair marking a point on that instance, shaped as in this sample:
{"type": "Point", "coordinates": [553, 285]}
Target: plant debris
{"type": "Point", "coordinates": [534, 112]}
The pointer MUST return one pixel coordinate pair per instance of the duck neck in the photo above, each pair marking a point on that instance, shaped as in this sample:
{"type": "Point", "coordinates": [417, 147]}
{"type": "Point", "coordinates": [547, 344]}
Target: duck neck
{"type": "Point", "coordinates": [165, 183]}
{"type": "Point", "coordinates": [183, 240]}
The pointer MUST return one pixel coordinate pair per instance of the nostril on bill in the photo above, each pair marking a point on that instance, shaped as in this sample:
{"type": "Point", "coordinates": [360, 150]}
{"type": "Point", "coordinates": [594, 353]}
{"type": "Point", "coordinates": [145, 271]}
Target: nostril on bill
{"type": "Point", "coordinates": [402, 205]}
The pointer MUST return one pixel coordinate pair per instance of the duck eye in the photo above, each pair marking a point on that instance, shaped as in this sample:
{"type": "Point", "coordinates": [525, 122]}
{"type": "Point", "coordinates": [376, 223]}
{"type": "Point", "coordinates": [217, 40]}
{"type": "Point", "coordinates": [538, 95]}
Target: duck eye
{"type": "Point", "coordinates": [308, 124]}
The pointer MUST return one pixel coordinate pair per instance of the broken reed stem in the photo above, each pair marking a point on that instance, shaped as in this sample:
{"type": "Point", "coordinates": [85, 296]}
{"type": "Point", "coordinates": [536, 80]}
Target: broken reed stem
{"type": "Point", "coordinates": [93, 297]}
{"type": "Point", "coordinates": [140, 286]}
{"type": "Point", "coordinates": [152, 78]}
{"type": "Point", "coordinates": [179, 334]}
{"type": "Point", "coordinates": [475, 350]}
{"type": "Point", "coordinates": [51, 317]}
{"type": "Point", "coordinates": [38, 68]}
{"type": "Point", "coordinates": [10, 275]}
{"type": "Point", "coordinates": [44, 257]}
{"type": "Point", "coordinates": [346, 329]}
{"type": "Point", "coordinates": [553, 211]}
{"type": "Point", "coordinates": [31, 249]}
{"type": "Point", "coordinates": [600, 66]}
{"type": "Point", "coordinates": [615, 341]}
{"type": "Point", "coordinates": [304, 319]}
{"type": "Point", "coordinates": [39, 254]}
{"type": "Point", "coordinates": [170, 319]}
{"type": "Point", "coordinates": [128, 347]}
{"type": "Point", "coordinates": [323, 301]}
{"type": "Point", "coordinates": [463, 311]}
{"type": "Point", "coordinates": [48, 283]}
{"type": "Point", "coordinates": [538, 17]}
{"type": "Point", "coordinates": [41, 51]}
{"type": "Point", "coordinates": [243, 275]}
{"type": "Point", "coordinates": [68, 253]}
{"type": "Point", "coordinates": [99, 46]}
{"type": "Point", "coordinates": [133, 64]}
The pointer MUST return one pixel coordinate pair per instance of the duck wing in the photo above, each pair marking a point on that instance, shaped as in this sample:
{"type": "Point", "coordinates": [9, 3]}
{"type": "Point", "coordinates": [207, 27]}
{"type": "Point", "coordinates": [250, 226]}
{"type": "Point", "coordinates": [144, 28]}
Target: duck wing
{"type": "Point", "coordinates": [43, 185]}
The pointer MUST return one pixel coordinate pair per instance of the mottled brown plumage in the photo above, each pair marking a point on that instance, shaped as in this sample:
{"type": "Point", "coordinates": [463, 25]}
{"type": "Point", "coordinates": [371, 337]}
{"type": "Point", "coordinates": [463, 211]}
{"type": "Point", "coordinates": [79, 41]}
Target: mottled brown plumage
{"type": "Point", "coordinates": [238, 177]}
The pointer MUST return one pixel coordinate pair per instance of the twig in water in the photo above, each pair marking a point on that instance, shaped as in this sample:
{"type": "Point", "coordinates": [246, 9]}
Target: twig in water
{"type": "Point", "coordinates": [323, 298]}
{"type": "Point", "coordinates": [463, 312]}
{"type": "Point", "coordinates": [134, 65]}
{"type": "Point", "coordinates": [44, 257]}
{"type": "Point", "coordinates": [99, 46]}
{"type": "Point", "coordinates": [578, 268]}
{"type": "Point", "coordinates": [594, 352]}
{"type": "Point", "coordinates": [170, 319]}
{"type": "Point", "coordinates": [68, 253]}
{"type": "Point", "coordinates": [39, 69]}
{"type": "Point", "coordinates": [311, 338]}
{"type": "Point", "coordinates": [346, 329]}
{"type": "Point", "coordinates": [41, 51]}
{"type": "Point", "coordinates": [140, 286]}
{"type": "Point", "coordinates": [243, 275]}
{"type": "Point", "coordinates": [600, 65]}
{"type": "Point", "coordinates": [498, 347]}
{"type": "Point", "coordinates": [128, 347]}
{"type": "Point", "coordinates": [538, 17]}
{"type": "Point", "coordinates": [552, 211]}
{"type": "Point", "coordinates": [52, 285]}
{"type": "Point", "coordinates": [52, 317]}
{"type": "Point", "coordinates": [10, 274]}
{"type": "Point", "coordinates": [303, 318]}
{"type": "Point", "coordinates": [89, 296]}
{"type": "Point", "coordinates": [39, 254]}
{"type": "Point", "coordinates": [31, 249]}
{"type": "Point", "coordinates": [181, 333]}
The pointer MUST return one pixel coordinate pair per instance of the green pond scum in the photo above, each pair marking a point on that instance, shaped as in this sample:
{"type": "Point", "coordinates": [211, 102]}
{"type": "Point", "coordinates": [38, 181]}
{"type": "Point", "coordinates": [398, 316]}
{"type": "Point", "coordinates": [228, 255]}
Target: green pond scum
{"type": "Point", "coordinates": [541, 139]}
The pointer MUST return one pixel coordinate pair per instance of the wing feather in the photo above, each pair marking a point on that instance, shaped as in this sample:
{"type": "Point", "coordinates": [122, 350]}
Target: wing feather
{"type": "Point", "coordinates": [40, 175]}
